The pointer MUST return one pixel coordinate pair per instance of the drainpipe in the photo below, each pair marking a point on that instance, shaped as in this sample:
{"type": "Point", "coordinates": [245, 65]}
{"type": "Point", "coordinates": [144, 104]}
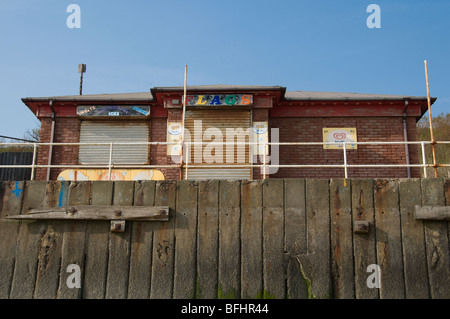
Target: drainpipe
{"type": "Point", "coordinates": [52, 134]}
{"type": "Point", "coordinates": [405, 133]}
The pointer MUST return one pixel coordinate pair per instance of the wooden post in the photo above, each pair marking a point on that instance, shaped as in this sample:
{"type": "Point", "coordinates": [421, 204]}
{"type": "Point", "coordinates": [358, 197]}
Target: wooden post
{"type": "Point", "coordinates": [431, 124]}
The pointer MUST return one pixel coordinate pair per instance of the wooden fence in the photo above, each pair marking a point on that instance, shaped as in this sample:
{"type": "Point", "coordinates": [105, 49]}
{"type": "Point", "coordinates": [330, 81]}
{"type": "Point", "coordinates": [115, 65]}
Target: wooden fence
{"type": "Point", "coordinates": [279, 238]}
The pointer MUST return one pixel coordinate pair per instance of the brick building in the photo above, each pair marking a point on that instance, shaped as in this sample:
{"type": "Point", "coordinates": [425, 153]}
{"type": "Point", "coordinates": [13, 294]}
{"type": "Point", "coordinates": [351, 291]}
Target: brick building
{"type": "Point", "coordinates": [213, 114]}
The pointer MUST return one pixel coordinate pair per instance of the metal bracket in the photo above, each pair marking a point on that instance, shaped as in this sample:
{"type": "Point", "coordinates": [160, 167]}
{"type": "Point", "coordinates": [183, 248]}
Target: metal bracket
{"type": "Point", "coordinates": [118, 226]}
{"type": "Point", "coordinates": [361, 227]}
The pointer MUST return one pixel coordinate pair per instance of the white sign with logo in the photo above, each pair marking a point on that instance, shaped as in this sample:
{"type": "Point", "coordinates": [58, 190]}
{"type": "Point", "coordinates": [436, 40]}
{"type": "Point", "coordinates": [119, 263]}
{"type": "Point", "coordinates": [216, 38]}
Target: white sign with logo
{"type": "Point", "coordinates": [338, 136]}
{"type": "Point", "coordinates": [174, 130]}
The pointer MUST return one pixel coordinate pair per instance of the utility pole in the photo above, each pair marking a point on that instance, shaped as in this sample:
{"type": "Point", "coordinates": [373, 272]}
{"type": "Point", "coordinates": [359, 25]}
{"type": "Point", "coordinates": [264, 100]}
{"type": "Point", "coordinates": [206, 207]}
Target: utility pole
{"type": "Point", "coordinates": [81, 69]}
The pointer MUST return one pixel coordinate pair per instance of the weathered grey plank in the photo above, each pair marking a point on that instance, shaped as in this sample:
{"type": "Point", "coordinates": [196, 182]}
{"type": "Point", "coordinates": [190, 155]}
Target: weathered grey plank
{"type": "Point", "coordinates": [11, 203]}
{"type": "Point", "coordinates": [186, 240]}
{"type": "Point", "coordinates": [363, 244]}
{"type": "Point", "coordinates": [316, 264]}
{"type": "Point", "coordinates": [447, 203]}
{"type": "Point", "coordinates": [207, 239]}
{"type": "Point", "coordinates": [341, 239]}
{"type": "Point", "coordinates": [251, 240]}
{"type": "Point", "coordinates": [49, 256]}
{"type": "Point", "coordinates": [164, 244]}
{"type": "Point", "coordinates": [229, 240]}
{"type": "Point", "coordinates": [388, 237]}
{"type": "Point", "coordinates": [413, 241]}
{"type": "Point", "coordinates": [295, 236]}
{"type": "Point", "coordinates": [97, 239]}
{"type": "Point", "coordinates": [98, 212]}
{"type": "Point", "coordinates": [141, 244]}
{"type": "Point", "coordinates": [432, 212]}
{"type": "Point", "coordinates": [73, 246]}
{"type": "Point", "coordinates": [119, 247]}
{"type": "Point", "coordinates": [436, 239]}
{"type": "Point", "coordinates": [28, 243]}
{"type": "Point", "coordinates": [273, 239]}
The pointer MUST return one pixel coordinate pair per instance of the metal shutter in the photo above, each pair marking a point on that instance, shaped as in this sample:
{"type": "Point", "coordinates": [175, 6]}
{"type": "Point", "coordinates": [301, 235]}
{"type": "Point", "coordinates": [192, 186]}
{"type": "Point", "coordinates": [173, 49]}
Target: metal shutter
{"type": "Point", "coordinates": [114, 131]}
{"type": "Point", "coordinates": [221, 119]}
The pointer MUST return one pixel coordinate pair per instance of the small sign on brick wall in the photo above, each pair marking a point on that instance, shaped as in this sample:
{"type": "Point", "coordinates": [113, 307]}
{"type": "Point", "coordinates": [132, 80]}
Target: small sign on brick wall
{"type": "Point", "coordinates": [339, 135]}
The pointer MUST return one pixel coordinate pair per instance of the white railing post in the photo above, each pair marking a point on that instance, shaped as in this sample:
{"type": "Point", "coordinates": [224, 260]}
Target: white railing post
{"type": "Point", "coordinates": [34, 160]}
{"type": "Point", "coordinates": [187, 160]}
{"type": "Point", "coordinates": [110, 160]}
{"type": "Point", "coordinates": [345, 159]}
{"type": "Point", "coordinates": [264, 160]}
{"type": "Point", "coordinates": [424, 160]}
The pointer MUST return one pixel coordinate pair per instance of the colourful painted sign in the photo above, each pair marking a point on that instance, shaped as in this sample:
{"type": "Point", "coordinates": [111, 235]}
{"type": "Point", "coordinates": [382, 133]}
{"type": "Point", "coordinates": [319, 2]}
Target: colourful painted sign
{"type": "Point", "coordinates": [339, 135]}
{"type": "Point", "coordinates": [219, 100]}
{"type": "Point", "coordinates": [113, 110]}
{"type": "Point", "coordinates": [116, 175]}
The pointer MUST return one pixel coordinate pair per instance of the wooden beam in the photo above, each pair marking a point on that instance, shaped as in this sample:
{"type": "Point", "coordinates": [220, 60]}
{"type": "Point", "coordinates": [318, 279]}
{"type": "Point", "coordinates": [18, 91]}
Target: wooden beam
{"type": "Point", "coordinates": [93, 212]}
{"type": "Point", "coordinates": [432, 212]}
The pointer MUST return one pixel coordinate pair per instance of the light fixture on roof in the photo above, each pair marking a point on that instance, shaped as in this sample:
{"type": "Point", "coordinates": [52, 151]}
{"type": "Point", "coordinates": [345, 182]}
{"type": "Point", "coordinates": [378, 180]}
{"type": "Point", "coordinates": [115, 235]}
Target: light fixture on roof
{"type": "Point", "coordinates": [81, 69]}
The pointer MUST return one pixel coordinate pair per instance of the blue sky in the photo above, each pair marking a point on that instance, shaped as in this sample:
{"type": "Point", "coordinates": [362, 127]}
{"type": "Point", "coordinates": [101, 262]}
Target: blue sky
{"type": "Point", "coordinates": [131, 46]}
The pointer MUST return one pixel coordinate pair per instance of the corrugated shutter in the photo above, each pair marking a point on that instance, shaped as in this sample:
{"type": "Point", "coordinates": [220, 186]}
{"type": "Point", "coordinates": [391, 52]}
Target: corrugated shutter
{"type": "Point", "coordinates": [236, 155]}
{"type": "Point", "coordinates": [114, 131]}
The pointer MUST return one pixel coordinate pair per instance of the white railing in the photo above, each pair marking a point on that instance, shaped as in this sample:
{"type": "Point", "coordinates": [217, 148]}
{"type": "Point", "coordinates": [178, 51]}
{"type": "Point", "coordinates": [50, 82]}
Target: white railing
{"type": "Point", "coordinates": [264, 165]}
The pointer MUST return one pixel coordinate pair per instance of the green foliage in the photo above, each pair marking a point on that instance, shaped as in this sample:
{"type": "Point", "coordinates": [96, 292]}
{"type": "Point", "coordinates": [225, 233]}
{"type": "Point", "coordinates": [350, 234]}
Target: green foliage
{"type": "Point", "coordinates": [441, 132]}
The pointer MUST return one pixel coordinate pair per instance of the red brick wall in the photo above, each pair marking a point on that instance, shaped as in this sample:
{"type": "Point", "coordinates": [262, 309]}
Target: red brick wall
{"type": "Point", "coordinates": [67, 130]}
{"type": "Point", "coordinates": [158, 153]}
{"type": "Point", "coordinates": [368, 129]}
{"type": "Point", "coordinates": [290, 130]}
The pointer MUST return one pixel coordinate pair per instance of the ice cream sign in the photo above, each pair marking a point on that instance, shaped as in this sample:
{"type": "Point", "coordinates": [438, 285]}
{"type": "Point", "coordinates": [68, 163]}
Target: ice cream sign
{"type": "Point", "coordinates": [113, 110]}
{"type": "Point", "coordinates": [338, 136]}
{"type": "Point", "coordinates": [219, 100]}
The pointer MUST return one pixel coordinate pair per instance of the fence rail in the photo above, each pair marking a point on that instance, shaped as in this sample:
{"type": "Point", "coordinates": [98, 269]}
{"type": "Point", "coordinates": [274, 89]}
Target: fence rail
{"type": "Point", "coordinates": [264, 165]}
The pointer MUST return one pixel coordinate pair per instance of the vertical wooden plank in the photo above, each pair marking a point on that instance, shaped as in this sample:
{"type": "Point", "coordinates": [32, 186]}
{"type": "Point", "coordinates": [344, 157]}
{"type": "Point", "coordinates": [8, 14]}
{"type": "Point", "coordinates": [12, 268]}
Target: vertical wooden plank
{"type": "Point", "coordinates": [186, 240]}
{"type": "Point", "coordinates": [318, 265]}
{"type": "Point", "coordinates": [363, 244]}
{"type": "Point", "coordinates": [447, 203]}
{"type": "Point", "coordinates": [141, 244]}
{"type": "Point", "coordinates": [49, 256]}
{"type": "Point", "coordinates": [164, 243]}
{"type": "Point", "coordinates": [388, 239]}
{"type": "Point", "coordinates": [273, 239]}
{"type": "Point", "coordinates": [251, 240]}
{"type": "Point", "coordinates": [436, 240]}
{"type": "Point", "coordinates": [119, 246]}
{"type": "Point", "coordinates": [295, 236]}
{"type": "Point", "coordinates": [413, 241]}
{"type": "Point", "coordinates": [11, 204]}
{"type": "Point", "coordinates": [28, 242]}
{"type": "Point", "coordinates": [97, 240]}
{"type": "Point", "coordinates": [229, 240]}
{"type": "Point", "coordinates": [73, 246]}
{"type": "Point", "coordinates": [207, 240]}
{"type": "Point", "coordinates": [341, 239]}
